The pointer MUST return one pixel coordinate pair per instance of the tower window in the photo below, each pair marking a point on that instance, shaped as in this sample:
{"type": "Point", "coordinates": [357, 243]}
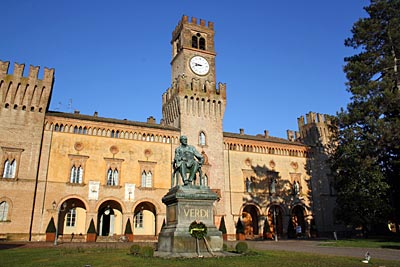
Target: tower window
{"type": "Point", "coordinates": [202, 43]}
{"type": "Point", "coordinates": [198, 42]}
{"type": "Point", "coordinates": [194, 42]}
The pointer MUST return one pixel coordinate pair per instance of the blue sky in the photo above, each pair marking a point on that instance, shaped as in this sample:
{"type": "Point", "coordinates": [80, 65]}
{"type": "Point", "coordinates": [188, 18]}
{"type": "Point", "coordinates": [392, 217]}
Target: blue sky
{"type": "Point", "coordinates": [279, 59]}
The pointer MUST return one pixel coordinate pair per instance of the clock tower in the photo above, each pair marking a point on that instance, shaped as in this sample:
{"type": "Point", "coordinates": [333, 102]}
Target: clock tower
{"type": "Point", "coordinates": [195, 103]}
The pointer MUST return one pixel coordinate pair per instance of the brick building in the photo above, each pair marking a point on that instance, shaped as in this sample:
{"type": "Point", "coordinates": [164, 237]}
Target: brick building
{"type": "Point", "coordinates": [75, 168]}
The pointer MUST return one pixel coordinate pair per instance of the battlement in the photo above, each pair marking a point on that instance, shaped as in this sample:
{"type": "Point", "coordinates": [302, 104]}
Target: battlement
{"type": "Point", "coordinates": [193, 22]}
{"type": "Point", "coordinates": [19, 70]}
{"type": "Point", "coordinates": [25, 93]}
{"type": "Point", "coordinates": [312, 118]}
{"type": "Point", "coordinates": [194, 87]}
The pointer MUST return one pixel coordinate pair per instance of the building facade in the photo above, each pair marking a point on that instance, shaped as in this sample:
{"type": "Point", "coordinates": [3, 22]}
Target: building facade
{"type": "Point", "coordinates": [76, 168]}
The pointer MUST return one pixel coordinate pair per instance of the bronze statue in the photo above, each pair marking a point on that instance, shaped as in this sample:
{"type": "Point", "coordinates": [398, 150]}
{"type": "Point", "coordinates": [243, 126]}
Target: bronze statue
{"type": "Point", "coordinates": [187, 163]}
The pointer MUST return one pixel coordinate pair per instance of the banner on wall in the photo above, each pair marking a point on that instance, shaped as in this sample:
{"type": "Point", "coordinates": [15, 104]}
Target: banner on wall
{"type": "Point", "coordinates": [129, 192]}
{"type": "Point", "coordinates": [94, 187]}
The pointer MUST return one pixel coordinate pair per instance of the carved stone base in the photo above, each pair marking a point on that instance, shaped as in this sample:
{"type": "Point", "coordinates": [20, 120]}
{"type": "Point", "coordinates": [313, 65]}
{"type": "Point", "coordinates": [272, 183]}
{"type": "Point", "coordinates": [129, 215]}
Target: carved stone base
{"type": "Point", "coordinates": [186, 204]}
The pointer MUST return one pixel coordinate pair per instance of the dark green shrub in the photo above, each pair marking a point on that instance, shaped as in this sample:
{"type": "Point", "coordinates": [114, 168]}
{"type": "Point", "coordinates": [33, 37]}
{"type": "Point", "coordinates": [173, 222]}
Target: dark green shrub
{"type": "Point", "coordinates": [51, 227]}
{"type": "Point", "coordinates": [224, 247]}
{"type": "Point", "coordinates": [92, 228]}
{"type": "Point", "coordinates": [146, 251]}
{"type": "Point", "coordinates": [222, 226]}
{"type": "Point", "coordinates": [239, 227]}
{"type": "Point", "coordinates": [128, 228]}
{"type": "Point", "coordinates": [241, 247]}
{"type": "Point", "coordinates": [135, 249]}
{"type": "Point", "coordinates": [266, 226]}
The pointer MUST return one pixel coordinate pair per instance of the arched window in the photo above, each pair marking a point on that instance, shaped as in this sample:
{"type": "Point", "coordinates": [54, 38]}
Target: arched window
{"type": "Point", "coordinates": [205, 180]}
{"type": "Point", "coordinates": [194, 41]}
{"type": "Point", "coordinates": [76, 175]}
{"type": "Point", "coordinates": [3, 211]}
{"type": "Point", "coordinates": [9, 169]}
{"type": "Point", "coordinates": [147, 179]}
{"type": "Point", "coordinates": [112, 177]}
{"type": "Point", "coordinates": [202, 43]}
{"type": "Point", "coordinates": [202, 139]}
{"type": "Point", "coordinates": [198, 42]}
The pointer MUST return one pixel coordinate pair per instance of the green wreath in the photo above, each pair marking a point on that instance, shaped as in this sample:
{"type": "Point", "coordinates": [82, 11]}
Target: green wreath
{"type": "Point", "coordinates": [198, 230]}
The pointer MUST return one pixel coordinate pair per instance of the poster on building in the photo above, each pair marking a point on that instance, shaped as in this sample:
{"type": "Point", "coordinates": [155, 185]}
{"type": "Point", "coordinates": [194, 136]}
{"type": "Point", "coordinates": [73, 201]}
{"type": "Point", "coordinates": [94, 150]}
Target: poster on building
{"type": "Point", "coordinates": [129, 192]}
{"type": "Point", "coordinates": [94, 187]}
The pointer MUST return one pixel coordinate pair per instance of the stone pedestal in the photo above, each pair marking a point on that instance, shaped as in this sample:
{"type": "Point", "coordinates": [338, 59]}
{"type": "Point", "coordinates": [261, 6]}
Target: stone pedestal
{"type": "Point", "coordinates": [186, 204]}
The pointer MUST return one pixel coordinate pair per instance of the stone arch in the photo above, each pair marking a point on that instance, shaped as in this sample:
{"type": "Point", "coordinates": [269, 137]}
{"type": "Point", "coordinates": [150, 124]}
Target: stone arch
{"type": "Point", "coordinates": [109, 217]}
{"type": "Point", "coordinates": [251, 219]}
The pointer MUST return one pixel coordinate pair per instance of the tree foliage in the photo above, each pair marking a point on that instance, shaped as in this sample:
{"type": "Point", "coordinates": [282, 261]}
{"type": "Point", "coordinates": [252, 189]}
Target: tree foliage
{"type": "Point", "coordinates": [366, 163]}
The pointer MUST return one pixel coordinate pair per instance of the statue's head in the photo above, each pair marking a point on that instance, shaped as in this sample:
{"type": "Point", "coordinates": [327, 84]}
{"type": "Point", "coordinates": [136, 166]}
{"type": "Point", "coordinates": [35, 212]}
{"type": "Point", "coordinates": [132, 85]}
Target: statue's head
{"type": "Point", "coordinates": [183, 139]}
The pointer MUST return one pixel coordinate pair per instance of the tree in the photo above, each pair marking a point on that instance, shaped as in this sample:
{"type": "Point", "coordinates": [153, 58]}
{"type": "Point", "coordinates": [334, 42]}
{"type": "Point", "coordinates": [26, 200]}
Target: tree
{"type": "Point", "coordinates": [366, 161]}
{"type": "Point", "coordinates": [51, 227]}
{"type": "Point", "coordinates": [222, 226]}
{"type": "Point", "coordinates": [128, 227]}
{"type": "Point", "coordinates": [92, 228]}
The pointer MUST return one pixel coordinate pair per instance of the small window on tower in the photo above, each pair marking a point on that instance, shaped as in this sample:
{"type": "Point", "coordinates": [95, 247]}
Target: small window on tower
{"type": "Point", "coordinates": [194, 41]}
{"type": "Point", "coordinates": [202, 43]}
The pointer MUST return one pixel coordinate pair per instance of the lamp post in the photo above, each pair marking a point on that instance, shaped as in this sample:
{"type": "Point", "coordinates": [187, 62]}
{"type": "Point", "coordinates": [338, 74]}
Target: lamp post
{"type": "Point", "coordinates": [276, 227]}
{"type": "Point", "coordinates": [64, 206]}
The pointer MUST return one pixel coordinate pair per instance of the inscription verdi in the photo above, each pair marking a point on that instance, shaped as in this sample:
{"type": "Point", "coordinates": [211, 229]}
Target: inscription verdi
{"type": "Point", "coordinates": [197, 213]}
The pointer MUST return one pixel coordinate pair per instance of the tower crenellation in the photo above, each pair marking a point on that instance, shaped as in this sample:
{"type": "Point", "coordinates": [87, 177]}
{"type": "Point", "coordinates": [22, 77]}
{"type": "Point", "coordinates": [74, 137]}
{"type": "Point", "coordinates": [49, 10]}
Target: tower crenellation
{"type": "Point", "coordinates": [25, 93]}
{"type": "Point", "coordinates": [314, 129]}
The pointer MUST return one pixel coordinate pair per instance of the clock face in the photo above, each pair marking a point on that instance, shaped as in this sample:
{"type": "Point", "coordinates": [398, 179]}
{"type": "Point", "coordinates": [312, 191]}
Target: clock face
{"type": "Point", "coordinates": [199, 65]}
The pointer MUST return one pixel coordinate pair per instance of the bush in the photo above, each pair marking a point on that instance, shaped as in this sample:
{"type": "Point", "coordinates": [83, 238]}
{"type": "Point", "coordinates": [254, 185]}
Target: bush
{"type": "Point", "coordinates": [146, 251]}
{"type": "Point", "coordinates": [51, 227]}
{"type": "Point", "coordinates": [92, 228]}
{"type": "Point", "coordinates": [222, 226]}
{"type": "Point", "coordinates": [224, 247]}
{"type": "Point", "coordinates": [239, 227]}
{"type": "Point", "coordinates": [241, 247]}
{"type": "Point", "coordinates": [128, 227]}
{"type": "Point", "coordinates": [135, 249]}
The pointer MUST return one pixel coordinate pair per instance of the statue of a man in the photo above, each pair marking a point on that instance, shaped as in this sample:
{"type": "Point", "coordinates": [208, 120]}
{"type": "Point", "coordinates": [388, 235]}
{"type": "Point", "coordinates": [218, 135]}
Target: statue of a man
{"type": "Point", "coordinates": [187, 162]}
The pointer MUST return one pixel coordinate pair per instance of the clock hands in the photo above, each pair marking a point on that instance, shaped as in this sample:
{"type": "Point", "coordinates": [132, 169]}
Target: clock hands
{"type": "Point", "coordinates": [197, 64]}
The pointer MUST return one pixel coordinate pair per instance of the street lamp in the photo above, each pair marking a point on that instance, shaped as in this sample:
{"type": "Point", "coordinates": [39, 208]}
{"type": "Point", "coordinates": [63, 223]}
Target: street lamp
{"type": "Point", "coordinates": [276, 227]}
{"type": "Point", "coordinates": [64, 206]}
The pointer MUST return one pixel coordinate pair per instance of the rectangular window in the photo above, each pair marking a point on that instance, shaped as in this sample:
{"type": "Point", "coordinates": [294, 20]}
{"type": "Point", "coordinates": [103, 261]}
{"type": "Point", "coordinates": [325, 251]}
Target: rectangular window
{"type": "Point", "coordinates": [139, 220]}
{"type": "Point", "coordinates": [71, 218]}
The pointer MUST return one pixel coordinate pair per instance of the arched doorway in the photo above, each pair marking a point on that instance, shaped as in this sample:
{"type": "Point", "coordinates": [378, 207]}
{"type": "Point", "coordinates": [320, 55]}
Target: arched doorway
{"type": "Point", "coordinates": [144, 219]}
{"type": "Point", "coordinates": [109, 218]}
{"type": "Point", "coordinates": [275, 217]}
{"type": "Point", "coordinates": [297, 223]}
{"type": "Point", "coordinates": [250, 220]}
{"type": "Point", "coordinates": [71, 218]}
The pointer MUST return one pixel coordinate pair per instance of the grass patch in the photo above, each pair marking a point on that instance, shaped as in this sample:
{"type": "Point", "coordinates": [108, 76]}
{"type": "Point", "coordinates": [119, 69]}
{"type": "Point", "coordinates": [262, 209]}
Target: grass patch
{"type": "Point", "coordinates": [364, 243]}
{"type": "Point", "coordinates": [59, 257]}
